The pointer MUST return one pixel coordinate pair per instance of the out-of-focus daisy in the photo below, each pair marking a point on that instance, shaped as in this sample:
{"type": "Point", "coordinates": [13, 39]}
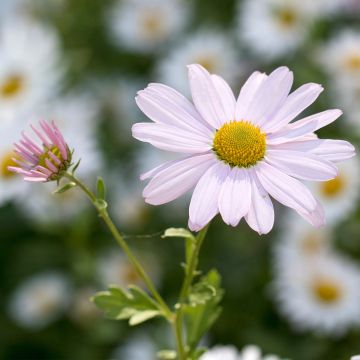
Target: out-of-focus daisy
{"type": "Point", "coordinates": [341, 56]}
{"type": "Point", "coordinates": [82, 310]}
{"type": "Point", "coordinates": [213, 50]}
{"type": "Point", "coordinates": [139, 348]}
{"type": "Point", "coordinates": [40, 300]}
{"type": "Point", "coordinates": [75, 116]}
{"type": "Point", "coordinates": [340, 196]}
{"type": "Point", "coordinates": [30, 69]}
{"type": "Point", "coordinates": [238, 152]}
{"type": "Point", "coordinates": [321, 295]}
{"type": "Point", "coordinates": [221, 353]}
{"type": "Point", "coordinates": [273, 28]}
{"type": "Point", "coordinates": [114, 268]}
{"type": "Point", "coordinates": [145, 25]}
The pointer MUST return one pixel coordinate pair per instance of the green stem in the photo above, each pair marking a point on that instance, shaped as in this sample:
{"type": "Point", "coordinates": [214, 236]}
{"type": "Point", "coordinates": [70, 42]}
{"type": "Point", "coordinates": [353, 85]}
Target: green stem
{"type": "Point", "coordinates": [122, 243]}
{"type": "Point", "coordinates": [189, 276]}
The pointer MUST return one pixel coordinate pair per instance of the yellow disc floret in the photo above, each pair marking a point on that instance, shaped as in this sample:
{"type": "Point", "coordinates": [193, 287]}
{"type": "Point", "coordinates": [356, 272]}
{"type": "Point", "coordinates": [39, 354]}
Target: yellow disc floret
{"type": "Point", "coordinates": [327, 291]}
{"type": "Point", "coordinates": [239, 143]}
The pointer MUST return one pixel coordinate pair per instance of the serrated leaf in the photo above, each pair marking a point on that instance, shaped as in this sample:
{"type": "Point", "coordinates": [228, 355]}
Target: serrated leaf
{"type": "Point", "coordinates": [134, 304]}
{"type": "Point", "coordinates": [100, 188]}
{"type": "Point", "coordinates": [64, 188]}
{"type": "Point", "coordinates": [178, 232]}
{"type": "Point", "coordinates": [203, 308]}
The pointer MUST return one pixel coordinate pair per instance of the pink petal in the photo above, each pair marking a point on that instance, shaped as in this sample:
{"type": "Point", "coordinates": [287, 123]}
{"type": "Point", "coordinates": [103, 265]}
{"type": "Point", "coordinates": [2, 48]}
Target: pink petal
{"type": "Point", "coordinates": [316, 217]}
{"type": "Point", "coordinates": [235, 196]}
{"type": "Point", "coordinates": [285, 189]}
{"type": "Point", "coordinates": [302, 165]}
{"type": "Point", "coordinates": [170, 138]}
{"type": "Point", "coordinates": [261, 212]}
{"type": "Point", "coordinates": [247, 94]}
{"type": "Point", "coordinates": [270, 96]}
{"type": "Point", "coordinates": [206, 97]}
{"type": "Point", "coordinates": [204, 201]}
{"type": "Point", "coordinates": [176, 179]}
{"type": "Point", "coordinates": [295, 104]}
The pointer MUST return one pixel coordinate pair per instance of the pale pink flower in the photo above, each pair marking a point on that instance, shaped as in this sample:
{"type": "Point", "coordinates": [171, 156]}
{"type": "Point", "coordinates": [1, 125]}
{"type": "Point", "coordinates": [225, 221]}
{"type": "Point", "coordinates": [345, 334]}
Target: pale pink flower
{"type": "Point", "coordinates": [43, 162]}
{"type": "Point", "coordinates": [238, 152]}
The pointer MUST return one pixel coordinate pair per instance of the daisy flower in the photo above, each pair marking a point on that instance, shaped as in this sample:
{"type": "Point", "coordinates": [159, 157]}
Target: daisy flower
{"type": "Point", "coordinates": [238, 152]}
{"type": "Point", "coordinates": [45, 162]}
{"type": "Point", "coordinates": [30, 69]}
{"type": "Point", "coordinates": [40, 300]}
{"type": "Point", "coordinates": [322, 295]}
{"type": "Point", "coordinates": [273, 28]}
{"type": "Point", "coordinates": [340, 195]}
{"type": "Point", "coordinates": [211, 49]}
{"type": "Point", "coordinates": [145, 25]}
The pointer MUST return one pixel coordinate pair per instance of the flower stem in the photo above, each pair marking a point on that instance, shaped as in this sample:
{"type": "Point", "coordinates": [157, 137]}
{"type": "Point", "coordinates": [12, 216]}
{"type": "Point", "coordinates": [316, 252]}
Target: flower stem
{"type": "Point", "coordinates": [189, 276]}
{"type": "Point", "coordinates": [124, 246]}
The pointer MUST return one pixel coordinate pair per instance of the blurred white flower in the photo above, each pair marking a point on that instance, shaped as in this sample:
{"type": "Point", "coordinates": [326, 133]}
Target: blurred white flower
{"type": "Point", "coordinates": [75, 115]}
{"type": "Point", "coordinates": [113, 268]}
{"type": "Point", "coordinates": [82, 309]}
{"type": "Point", "coordinates": [211, 49]}
{"type": "Point", "coordinates": [30, 68]}
{"type": "Point", "coordinates": [340, 57]}
{"type": "Point", "coordinates": [356, 357]}
{"type": "Point", "coordinates": [221, 353]}
{"type": "Point", "coordinates": [140, 347]}
{"type": "Point", "coordinates": [273, 28]}
{"type": "Point", "coordinates": [321, 294]}
{"type": "Point", "coordinates": [12, 185]}
{"type": "Point", "coordinates": [340, 196]}
{"type": "Point", "coordinates": [145, 25]}
{"type": "Point", "coordinates": [40, 300]}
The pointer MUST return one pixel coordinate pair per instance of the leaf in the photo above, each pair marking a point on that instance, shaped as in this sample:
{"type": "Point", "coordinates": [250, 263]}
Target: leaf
{"type": "Point", "coordinates": [203, 308]}
{"type": "Point", "coordinates": [100, 188]}
{"type": "Point", "coordinates": [75, 166]}
{"type": "Point", "coordinates": [134, 305]}
{"type": "Point", "coordinates": [166, 355]}
{"type": "Point", "coordinates": [178, 232]}
{"type": "Point", "coordinates": [64, 188]}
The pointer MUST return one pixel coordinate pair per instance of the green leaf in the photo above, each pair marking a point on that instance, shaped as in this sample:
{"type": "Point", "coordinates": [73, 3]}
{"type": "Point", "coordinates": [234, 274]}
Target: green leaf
{"type": "Point", "coordinates": [75, 166]}
{"type": "Point", "coordinates": [134, 305]}
{"type": "Point", "coordinates": [203, 308]}
{"type": "Point", "coordinates": [178, 232]}
{"type": "Point", "coordinates": [64, 188]}
{"type": "Point", "coordinates": [100, 188]}
{"type": "Point", "coordinates": [166, 355]}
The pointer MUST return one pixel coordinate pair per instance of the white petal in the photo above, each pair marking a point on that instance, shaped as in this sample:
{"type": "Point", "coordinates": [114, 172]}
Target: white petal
{"type": "Point", "coordinates": [226, 96]}
{"type": "Point", "coordinates": [176, 178]}
{"type": "Point", "coordinates": [205, 96]}
{"type": "Point", "coordinates": [316, 217]}
{"type": "Point", "coordinates": [304, 126]}
{"type": "Point", "coordinates": [285, 189]}
{"type": "Point", "coordinates": [170, 138]}
{"type": "Point", "coordinates": [247, 94]}
{"type": "Point", "coordinates": [271, 95]}
{"type": "Point", "coordinates": [235, 196]}
{"type": "Point", "coordinates": [204, 201]}
{"type": "Point", "coordinates": [331, 150]}
{"type": "Point", "coordinates": [164, 105]}
{"type": "Point", "coordinates": [302, 165]}
{"type": "Point", "coordinates": [295, 104]}
{"type": "Point", "coordinates": [261, 212]}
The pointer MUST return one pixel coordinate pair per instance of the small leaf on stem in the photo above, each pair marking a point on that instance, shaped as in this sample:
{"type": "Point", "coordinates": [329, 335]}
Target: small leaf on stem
{"type": "Point", "coordinates": [100, 188]}
{"type": "Point", "coordinates": [64, 188]}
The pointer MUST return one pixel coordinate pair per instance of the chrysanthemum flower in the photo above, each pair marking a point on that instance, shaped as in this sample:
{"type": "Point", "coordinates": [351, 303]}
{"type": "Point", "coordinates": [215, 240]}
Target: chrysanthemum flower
{"type": "Point", "coordinates": [238, 152]}
{"type": "Point", "coordinates": [42, 163]}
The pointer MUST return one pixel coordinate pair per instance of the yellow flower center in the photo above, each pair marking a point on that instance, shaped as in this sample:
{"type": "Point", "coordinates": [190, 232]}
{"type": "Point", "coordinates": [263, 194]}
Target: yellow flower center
{"type": "Point", "coordinates": [312, 243]}
{"type": "Point", "coordinates": [239, 143]}
{"type": "Point", "coordinates": [353, 62]}
{"type": "Point", "coordinates": [45, 155]}
{"type": "Point", "coordinates": [327, 291]}
{"type": "Point", "coordinates": [333, 187]}
{"type": "Point", "coordinates": [152, 24]}
{"type": "Point", "coordinates": [11, 87]}
{"type": "Point", "coordinates": [6, 161]}
{"type": "Point", "coordinates": [287, 17]}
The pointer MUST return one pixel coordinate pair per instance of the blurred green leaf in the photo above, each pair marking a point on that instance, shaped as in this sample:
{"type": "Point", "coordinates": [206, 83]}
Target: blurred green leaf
{"type": "Point", "coordinates": [133, 305]}
{"type": "Point", "coordinates": [178, 232]}
{"type": "Point", "coordinates": [166, 355]}
{"type": "Point", "coordinates": [64, 188]}
{"type": "Point", "coordinates": [100, 188]}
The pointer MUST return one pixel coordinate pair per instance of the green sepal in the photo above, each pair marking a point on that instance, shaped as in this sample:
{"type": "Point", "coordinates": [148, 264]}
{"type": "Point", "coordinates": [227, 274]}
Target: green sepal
{"type": "Point", "coordinates": [202, 309]}
{"type": "Point", "coordinates": [75, 167]}
{"type": "Point", "coordinates": [64, 188]}
{"type": "Point", "coordinates": [100, 188]}
{"type": "Point", "coordinates": [133, 304]}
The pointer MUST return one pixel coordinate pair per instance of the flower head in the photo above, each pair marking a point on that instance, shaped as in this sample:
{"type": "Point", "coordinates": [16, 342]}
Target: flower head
{"type": "Point", "coordinates": [42, 163]}
{"type": "Point", "coordinates": [239, 151]}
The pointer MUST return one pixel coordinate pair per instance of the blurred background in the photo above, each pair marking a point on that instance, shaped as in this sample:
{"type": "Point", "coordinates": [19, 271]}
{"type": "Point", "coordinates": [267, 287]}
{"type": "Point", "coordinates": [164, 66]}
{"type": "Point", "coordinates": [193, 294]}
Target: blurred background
{"type": "Point", "coordinates": [294, 292]}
